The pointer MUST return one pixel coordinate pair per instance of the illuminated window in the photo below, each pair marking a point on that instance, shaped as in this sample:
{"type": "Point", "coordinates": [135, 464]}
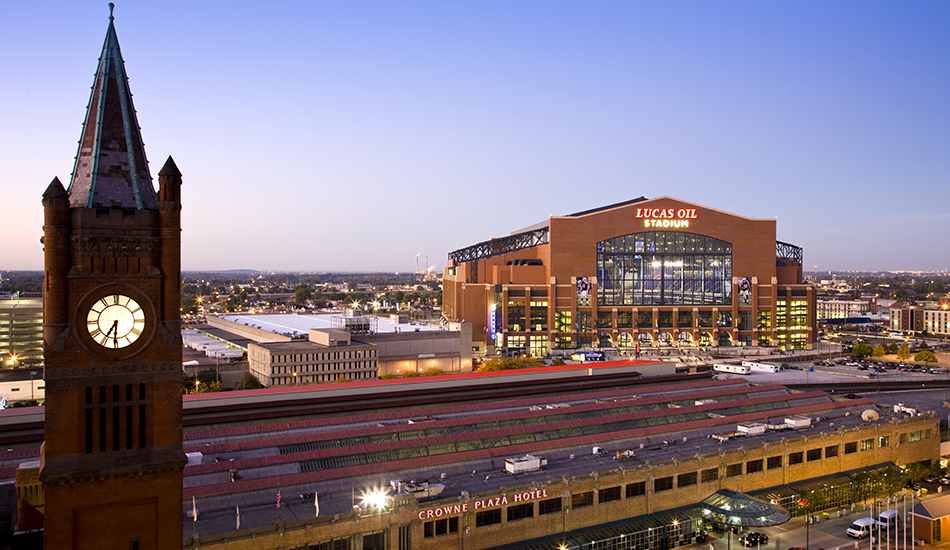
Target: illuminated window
{"type": "Point", "coordinates": [562, 321]}
{"type": "Point", "coordinates": [883, 441]}
{"type": "Point", "coordinates": [539, 316]}
{"type": "Point", "coordinates": [516, 316]}
{"type": "Point", "coordinates": [539, 346]}
{"type": "Point", "coordinates": [605, 320]}
{"type": "Point", "coordinates": [624, 319]}
{"type": "Point", "coordinates": [664, 267]}
{"type": "Point", "coordinates": [583, 321]}
{"type": "Point", "coordinates": [867, 444]}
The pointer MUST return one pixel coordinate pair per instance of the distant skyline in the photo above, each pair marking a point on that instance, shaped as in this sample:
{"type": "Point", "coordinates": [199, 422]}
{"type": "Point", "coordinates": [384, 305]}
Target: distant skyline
{"type": "Point", "coordinates": [352, 136]}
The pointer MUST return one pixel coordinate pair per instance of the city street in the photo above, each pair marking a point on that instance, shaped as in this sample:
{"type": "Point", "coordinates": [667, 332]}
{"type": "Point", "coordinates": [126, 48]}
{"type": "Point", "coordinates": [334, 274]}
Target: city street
{"type": "Point", "coordinates": [830, 533]}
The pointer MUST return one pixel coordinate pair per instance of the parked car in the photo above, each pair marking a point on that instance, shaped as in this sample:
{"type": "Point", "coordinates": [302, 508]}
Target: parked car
{"type": "Point", "coordinates": [753, 539]}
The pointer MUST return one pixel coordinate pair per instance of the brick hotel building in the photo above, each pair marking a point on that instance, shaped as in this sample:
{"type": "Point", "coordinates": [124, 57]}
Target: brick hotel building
{"type": "Point", "coordinates": [654, 272]}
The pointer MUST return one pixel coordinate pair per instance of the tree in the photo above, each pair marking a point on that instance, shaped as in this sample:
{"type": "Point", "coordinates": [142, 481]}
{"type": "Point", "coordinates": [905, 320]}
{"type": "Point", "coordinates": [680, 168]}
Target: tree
{"type": "Point", "coordinates": [879, 351]}
{"type": "Point", "coordinates": [903, 353]}
{"type": "Point", "coordinates": [248, 382]}
{"type": "Point", "coordinates": [925, 356]}
{"type": "Point", "coordinates": [892, 348]}
{"type": "Point", "coordinates": [302, 294]}
{"type": "Point", "coordinates": [862, 350]}
{"type": "Point", "coordinates": [923, 345]}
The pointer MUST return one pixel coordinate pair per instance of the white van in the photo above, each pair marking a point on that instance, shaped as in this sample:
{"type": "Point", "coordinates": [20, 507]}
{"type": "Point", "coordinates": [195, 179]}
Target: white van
{"type": "Point", "coordinates": [861, 528]}
{"type": "Point", "coordinates": [889, 519]}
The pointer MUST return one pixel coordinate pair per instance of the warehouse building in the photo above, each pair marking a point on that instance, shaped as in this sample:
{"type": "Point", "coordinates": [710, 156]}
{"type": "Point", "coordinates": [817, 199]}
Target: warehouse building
{"type": "Point", "coordinates": [622, 464]}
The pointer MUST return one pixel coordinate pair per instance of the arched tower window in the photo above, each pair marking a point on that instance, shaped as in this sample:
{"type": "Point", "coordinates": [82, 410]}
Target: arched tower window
{"type": "Point", "coordinates": [664, 268]}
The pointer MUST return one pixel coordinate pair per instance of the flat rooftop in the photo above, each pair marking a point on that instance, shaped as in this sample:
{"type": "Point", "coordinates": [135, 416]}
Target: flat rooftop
{"type": "Point", "coordinates": [461, 445]}
{"type": "Point", "coordinates": [299, 325]}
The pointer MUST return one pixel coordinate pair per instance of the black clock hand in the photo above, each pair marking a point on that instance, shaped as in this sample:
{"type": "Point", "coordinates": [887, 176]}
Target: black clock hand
{"type": "Point", "coordinates": [115, 337]}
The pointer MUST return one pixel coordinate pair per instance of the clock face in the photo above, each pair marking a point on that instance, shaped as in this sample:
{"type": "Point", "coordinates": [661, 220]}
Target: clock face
{"type": "Point", "coordinates": [115, 321]}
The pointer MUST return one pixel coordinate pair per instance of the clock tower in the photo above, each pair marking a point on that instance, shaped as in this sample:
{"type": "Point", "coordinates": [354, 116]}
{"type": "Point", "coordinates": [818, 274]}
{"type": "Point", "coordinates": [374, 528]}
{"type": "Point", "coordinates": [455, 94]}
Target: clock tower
{"type": "Point", "coordinates": [111, 464]}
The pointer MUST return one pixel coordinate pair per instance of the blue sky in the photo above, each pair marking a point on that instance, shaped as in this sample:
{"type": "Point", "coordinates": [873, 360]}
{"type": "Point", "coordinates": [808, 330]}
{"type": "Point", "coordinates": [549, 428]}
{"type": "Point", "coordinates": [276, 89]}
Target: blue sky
{"type": "Point", "coordinates": [320, 136]}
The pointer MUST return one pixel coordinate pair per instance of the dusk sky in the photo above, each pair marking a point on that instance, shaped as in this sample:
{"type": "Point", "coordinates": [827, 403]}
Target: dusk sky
{"type": "Point", "coordinates": [352, 136]}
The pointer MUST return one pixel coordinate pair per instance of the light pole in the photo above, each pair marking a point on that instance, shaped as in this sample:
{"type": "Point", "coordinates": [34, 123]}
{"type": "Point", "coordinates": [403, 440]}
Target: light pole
{"type": "Point", "coordinates": [803, 503]}
{"type": "Point", "coordinates": [32, 375]}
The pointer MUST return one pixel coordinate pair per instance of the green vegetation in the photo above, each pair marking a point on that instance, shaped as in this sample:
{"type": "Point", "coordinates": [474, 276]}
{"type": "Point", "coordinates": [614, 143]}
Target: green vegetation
{"type": "Point", "coordinates": [509, 363]}
{"type": "Point", "coordinates": [248, 382]}
{"type": "Point", "coordinates": [862, 350]}
{"type": "Point", "coordinates": [925, 356]}
{"type": "Point", "coordinates": [903, 353]}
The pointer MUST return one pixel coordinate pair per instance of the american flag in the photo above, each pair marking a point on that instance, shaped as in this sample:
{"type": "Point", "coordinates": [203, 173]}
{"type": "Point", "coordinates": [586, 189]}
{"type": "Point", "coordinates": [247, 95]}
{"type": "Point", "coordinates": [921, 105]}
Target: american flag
{"type": "Point", "coordinates": [278, 498]}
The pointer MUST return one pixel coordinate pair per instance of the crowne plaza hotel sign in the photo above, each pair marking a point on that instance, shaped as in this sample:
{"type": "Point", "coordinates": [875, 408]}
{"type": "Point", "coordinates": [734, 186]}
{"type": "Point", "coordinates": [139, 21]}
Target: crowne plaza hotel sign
{"type": "Point", "coordinates": [666, 217]}
{"type": "Point", "coordinates": [481, 504]}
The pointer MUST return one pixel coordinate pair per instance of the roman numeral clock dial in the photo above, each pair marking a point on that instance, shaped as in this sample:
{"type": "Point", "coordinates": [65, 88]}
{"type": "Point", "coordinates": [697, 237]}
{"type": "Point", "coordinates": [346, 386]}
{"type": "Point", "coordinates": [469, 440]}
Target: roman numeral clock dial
{"type": "Point", "coordinates": [115, 321]}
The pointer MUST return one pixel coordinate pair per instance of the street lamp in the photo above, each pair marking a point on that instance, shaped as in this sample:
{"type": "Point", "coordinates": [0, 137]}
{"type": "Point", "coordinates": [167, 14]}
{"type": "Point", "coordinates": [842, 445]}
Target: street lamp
{"type": "Point", "coordinates": [803, 503]}
{"type": "Point", "coordinates": [32, 374]}
{"type": "Point", "coordinates": [295, 378]}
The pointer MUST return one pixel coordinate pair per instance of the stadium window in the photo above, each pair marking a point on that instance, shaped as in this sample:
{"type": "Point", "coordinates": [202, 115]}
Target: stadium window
{"type": "Point", "coordinates": [868, 444]}
{"type": "Point", "coordinates": [753, 466]}
{"type": "Point", "coordinates": [712, 474]}
{"type": "Point", "coordinates": [795, 458]}
{"type": "Point", "coordinates": [813, 454]}
{"type": "Point", "coordinates": [580, 500]}
{"type": "Point", "coordinates": [831, 451]}
{"type": "Point", "coordinates": [928, 434]}
{"type": "Point", "coordinates": [851, 448]}
{"type": "Point", "coordinates": [902, 438]}
{"type": "Point", "coordinates": [774, 462]}
{"type": "Point", "coordinates": [550, 506]}
{"type": "Point", "coordinates": [636, 489]}
{"type": "Point", "coordinates": [662, 484]}
{"type": "Point", "coordinates": [687, 479]}
{"type": "Point", "coordinates": [914, 436]}
{"type": "Point", "coordinates": [883, 441]}
{"type": "Point", "coordinates": [488, 517]}
{"type": "Point", "coordinates": [608, 494]}
{"type": "Point", "coordinates": [521, 511]}
{"type": "Point", "coordinates": [734, 470]}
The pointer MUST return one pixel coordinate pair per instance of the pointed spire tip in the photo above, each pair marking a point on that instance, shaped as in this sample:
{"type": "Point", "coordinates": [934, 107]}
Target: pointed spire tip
{"type": "Point", "coordinates": [111, 7]}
